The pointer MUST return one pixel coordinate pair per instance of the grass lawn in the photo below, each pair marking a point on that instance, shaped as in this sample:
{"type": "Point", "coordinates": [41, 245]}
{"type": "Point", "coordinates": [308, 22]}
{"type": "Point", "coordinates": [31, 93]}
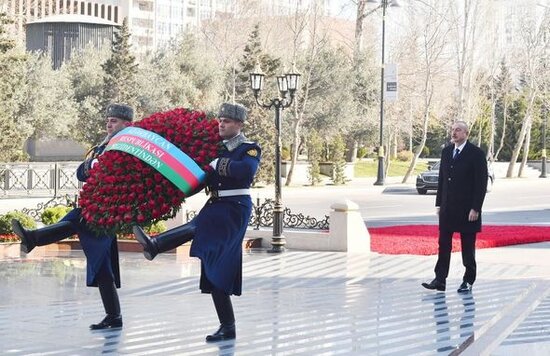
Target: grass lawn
{"type": "Point", "coordinates": [369, 168]}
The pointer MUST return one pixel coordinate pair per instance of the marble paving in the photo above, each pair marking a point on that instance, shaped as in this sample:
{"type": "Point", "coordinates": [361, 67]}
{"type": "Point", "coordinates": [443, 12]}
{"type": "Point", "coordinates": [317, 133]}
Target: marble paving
{"type": "Point", "coordinates": [294, 303]}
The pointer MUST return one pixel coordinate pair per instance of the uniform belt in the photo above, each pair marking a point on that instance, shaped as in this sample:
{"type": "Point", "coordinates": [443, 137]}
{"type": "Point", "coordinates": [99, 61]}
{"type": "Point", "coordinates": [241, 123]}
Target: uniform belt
{"type": "Point", "coordinates": [229, 193]}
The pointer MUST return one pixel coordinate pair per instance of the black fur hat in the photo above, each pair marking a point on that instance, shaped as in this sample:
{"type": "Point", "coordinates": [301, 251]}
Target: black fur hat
{"type": "Point", "coordinates": [233, 111]}
{"type": "Point", "coordinates": [120, 111]}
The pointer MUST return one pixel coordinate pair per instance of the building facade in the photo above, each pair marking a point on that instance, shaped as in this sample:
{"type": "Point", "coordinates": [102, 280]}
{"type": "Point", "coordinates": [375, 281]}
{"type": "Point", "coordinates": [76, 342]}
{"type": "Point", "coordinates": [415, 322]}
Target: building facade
{"type": "Point", "coordinates": [153, 23]}
{"type": "Point", "coordinates": [61, 35]}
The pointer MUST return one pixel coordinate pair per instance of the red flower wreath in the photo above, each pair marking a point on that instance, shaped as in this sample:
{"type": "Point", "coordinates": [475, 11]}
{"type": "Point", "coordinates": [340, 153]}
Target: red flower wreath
{"type": "Point", "coordinates": [122, 190]}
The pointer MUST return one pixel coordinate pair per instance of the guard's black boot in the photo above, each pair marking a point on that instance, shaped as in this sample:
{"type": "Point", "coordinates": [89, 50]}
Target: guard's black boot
{"type": "Point", "coordinates": [43, 236]}
{"type": "Point", "coordinates": [109, 322]}
{"type": "Point", "coordinates": [166, 241]}
{"type": "Point", "coordinates": [225, 332]}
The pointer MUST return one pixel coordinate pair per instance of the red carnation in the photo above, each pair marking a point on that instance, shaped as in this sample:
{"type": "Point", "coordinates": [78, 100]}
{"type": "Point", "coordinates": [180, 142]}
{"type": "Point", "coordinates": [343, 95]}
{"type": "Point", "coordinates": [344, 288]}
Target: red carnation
{"type": "Point", "coordinates": [123, 190]}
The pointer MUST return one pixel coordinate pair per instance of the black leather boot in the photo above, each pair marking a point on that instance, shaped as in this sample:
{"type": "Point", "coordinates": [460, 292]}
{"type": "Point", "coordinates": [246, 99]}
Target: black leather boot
{"type": "Point", "coordinates": [224, 309]}
{"type": "Point", "coordinates": [225, 332]}
{"type": "Point", "coordinates": [109, 298]}
{"type": "Point", "coordinates": [109, 322]}
{"type": "Point", "coordinates": [43, 236]}
{"type": "Point", "coordinates": [166, 241]}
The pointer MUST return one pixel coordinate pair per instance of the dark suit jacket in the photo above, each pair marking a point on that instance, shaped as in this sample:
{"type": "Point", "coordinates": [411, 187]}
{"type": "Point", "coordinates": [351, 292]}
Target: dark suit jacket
{"type": "Point", "coordinates": [462, 186]}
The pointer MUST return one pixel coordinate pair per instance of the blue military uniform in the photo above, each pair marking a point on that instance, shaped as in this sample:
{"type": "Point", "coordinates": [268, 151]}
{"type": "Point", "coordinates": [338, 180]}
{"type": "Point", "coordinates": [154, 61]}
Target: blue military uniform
{"type": "Point", "coordinates": [101, 250]}
{"type": "Point", "coordinates": [219, 228]}
{"type": "Point", "coordinates": [222, 222]}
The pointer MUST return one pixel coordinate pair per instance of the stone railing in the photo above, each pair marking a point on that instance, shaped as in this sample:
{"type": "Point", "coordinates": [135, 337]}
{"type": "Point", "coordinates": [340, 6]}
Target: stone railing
{"type": "Point", "coordinates": [38, 179]}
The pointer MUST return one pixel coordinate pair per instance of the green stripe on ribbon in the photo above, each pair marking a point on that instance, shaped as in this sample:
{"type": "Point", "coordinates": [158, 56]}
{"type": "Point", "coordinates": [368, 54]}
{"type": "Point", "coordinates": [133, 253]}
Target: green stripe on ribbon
{"type": "Point", "coordinates": [154, 162]}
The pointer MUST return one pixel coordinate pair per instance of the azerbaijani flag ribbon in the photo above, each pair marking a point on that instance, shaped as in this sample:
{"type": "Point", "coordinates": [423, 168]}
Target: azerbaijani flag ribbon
{"type": "Point", "coordinates": [160, 154]}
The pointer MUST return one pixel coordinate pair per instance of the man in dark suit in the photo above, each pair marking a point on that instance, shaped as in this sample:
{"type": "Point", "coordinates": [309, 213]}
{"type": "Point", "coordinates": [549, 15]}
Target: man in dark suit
{"type": "Point", "coordinates": [219, 228]}
{"type": "Point", "coordinates": [101, 250]}
{"type": "Point", "coordinates": [461, 190]}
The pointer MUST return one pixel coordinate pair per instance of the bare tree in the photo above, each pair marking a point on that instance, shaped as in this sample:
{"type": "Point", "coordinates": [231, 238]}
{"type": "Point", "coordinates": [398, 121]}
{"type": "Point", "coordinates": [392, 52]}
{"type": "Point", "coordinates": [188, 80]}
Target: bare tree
{"type": "Point", "coordinates": [301, 22]}
{"type": "Point", "coordinates": [535, 39]}
{"type": "Point", "coordinates": [227, 36]}
{"type": "Point", "coordinates": [464, 21]}
{"type": "Point", "coordinates": [427, 45]}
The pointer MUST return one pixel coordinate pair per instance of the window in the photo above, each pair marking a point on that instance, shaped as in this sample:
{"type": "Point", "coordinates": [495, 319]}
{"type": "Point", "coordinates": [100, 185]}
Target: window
{"type": "Point", "coordinates": [145, 6]}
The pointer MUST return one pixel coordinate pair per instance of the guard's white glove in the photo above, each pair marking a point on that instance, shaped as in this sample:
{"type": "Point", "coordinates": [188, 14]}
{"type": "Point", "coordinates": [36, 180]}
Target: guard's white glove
{"type": "Point", "coordinates": [214, 163]}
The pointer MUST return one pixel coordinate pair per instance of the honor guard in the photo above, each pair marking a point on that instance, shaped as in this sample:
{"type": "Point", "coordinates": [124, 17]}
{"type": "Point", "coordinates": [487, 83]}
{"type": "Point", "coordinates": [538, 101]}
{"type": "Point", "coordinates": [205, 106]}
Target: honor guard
{"type": "Point", "coordinates": [101, 251]}
{"type": "Point", "coordinates": [219, 228]}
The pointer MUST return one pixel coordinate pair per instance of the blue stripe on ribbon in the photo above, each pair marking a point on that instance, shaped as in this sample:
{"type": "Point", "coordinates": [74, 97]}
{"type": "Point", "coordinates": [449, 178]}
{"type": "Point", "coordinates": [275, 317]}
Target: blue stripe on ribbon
{"type": "Point", "coordinates": [167, 146]}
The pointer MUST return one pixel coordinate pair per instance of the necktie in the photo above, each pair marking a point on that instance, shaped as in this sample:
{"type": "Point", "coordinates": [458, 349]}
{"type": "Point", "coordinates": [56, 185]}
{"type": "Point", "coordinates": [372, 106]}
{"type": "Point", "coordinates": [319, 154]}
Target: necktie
{"type": "Point", "coordinates": [456, 152]}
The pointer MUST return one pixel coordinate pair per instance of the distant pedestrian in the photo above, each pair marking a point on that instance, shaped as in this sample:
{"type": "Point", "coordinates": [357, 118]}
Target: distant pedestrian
{"type": "Point", "coordinates": [461, 191]}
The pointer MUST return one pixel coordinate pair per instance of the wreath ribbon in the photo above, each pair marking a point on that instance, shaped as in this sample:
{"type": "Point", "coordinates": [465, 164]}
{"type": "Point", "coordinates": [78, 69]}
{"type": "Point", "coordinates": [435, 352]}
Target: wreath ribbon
{"type": "Point", "coordinates": [162, 155]}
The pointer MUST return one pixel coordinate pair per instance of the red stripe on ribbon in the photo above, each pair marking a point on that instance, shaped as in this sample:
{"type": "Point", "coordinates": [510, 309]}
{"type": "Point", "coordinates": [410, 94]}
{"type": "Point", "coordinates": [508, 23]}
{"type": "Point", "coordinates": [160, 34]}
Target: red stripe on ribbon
{"type": "Point", "coordinates": [170, 160]}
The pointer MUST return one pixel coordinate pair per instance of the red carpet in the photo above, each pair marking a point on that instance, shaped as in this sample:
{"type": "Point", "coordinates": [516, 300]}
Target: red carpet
{"type": "Point", "coordinates": [422, 239]}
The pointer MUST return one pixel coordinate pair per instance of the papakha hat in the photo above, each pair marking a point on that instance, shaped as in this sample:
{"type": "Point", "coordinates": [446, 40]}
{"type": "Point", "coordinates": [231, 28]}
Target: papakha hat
{"type": "Point", "coordinates": [233, 111]}
{"type": "Point", "coordinates": [120, 111]}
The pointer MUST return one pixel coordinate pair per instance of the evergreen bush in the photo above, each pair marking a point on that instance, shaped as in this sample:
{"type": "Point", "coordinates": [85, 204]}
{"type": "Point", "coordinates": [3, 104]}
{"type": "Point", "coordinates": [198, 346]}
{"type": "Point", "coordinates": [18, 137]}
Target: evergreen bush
{"type": "Point", "coordinates": [53, 214]}
{"type": "Point", "coordinates": [25, 220]}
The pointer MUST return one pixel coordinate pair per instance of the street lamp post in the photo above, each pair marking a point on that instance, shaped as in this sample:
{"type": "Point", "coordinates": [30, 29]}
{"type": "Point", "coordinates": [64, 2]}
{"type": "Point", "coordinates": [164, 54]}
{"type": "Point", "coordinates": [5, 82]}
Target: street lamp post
{"type": "Point", "coordinates": [287, 84]}
{"type": "Point", "coordinates": [381, 174]}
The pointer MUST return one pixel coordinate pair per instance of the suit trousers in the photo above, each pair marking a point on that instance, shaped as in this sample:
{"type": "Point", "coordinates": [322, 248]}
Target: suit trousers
{"type": "Point", "coordinates": [468, 243]}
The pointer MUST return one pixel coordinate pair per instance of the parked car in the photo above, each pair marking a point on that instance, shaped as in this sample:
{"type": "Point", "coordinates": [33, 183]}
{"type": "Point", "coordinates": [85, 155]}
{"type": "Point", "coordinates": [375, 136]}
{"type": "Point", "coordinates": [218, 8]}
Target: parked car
{"type": "Point", "coordinates": [428, 180]}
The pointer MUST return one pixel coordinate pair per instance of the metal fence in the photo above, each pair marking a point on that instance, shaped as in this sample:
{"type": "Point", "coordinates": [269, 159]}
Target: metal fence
{"type": "Point", "coordinates": [262, 216]}
{"type": "Point", "coordinates": [58, 180]}
{"type": "Point", "coordinates": [38, 179]}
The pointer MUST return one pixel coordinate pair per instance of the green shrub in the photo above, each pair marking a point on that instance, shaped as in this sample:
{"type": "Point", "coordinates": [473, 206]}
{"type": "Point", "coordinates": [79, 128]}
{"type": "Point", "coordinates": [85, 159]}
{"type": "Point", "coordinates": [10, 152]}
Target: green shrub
{"type": "Point", "coordinates": [362, 152]}
{"type": "Point", "coordinates": [404, 156]}
{"type": "Point", "coordinates": [425, 152]}
{"type": "Point", "coordinates": [24, 219]}
{"type": "Point", "coordinates": [155, 228]}
{"type": "Point", "coordinates": [54, 214]}
{"type": "Point", "coordinates": [338, 152]}
{"type": "Point", "coordinates": [314, 148]}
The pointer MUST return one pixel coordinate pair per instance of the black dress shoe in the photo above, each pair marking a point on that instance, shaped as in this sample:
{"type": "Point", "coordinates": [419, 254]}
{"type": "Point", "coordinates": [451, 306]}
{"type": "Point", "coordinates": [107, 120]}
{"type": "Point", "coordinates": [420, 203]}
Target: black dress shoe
{"type": "Point", "coordinates": [465, 287]}
{"type": "Point", "coordinates": [109, 322]}
{"type": "Point", "coordinates": [434, 285]}
{"type": "Point", "coordinates": [225, 332]}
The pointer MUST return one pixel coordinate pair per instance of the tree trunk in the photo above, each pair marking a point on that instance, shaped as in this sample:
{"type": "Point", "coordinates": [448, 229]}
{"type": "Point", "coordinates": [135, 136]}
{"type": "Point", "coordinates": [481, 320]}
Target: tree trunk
{"type": "Point", "coordinates": [351, 152]}
{"type": "Point", "coordinates": [526, 145]}
{"type": "Point", "coordinates": [420, 147]}
{"type": "Point", "coordinates": [479, 135]}
{"type": "Point", "coordinates": [428, 90]}
{"type": "Point", "coordinates": [294, 149]}
{"type": "Point", "coordinates": [522, 135]}
{"type": "Point", "coordinates": [504, 117]}
{"type": "Point", "coordinates": [359, 26]}
{"type": "Point", "coordinates": [491, 148]}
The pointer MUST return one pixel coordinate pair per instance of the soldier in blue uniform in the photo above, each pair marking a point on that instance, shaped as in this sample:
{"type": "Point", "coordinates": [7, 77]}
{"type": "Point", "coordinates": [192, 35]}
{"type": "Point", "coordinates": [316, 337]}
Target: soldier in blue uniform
{"type": "Point", "coordinates": [219, 228]}
{"type": "Point", "coordinates": [101, 250]}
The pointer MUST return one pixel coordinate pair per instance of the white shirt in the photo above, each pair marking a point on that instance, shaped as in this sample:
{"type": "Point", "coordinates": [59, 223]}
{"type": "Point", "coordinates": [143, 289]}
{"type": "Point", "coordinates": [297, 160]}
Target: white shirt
{"type": "Point", "coordinates": [460, 148]}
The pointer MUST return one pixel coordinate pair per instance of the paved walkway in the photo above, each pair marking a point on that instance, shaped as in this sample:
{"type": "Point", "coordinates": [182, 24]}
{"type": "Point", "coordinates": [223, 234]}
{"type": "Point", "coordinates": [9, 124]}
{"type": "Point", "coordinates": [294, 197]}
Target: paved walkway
{"type": "Point", "coordinates": [294, 303]}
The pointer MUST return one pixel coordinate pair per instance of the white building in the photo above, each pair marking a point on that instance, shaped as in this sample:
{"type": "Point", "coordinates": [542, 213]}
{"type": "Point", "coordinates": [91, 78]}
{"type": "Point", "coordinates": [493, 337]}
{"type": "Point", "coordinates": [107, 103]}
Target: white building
{"type": "Point", "coordinates": [152, 23]}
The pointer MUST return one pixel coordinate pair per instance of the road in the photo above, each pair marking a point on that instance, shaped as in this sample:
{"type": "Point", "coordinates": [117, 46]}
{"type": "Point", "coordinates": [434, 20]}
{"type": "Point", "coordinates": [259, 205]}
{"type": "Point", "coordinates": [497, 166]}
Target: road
{"type": "Point", "coordinates": [512, 201]}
